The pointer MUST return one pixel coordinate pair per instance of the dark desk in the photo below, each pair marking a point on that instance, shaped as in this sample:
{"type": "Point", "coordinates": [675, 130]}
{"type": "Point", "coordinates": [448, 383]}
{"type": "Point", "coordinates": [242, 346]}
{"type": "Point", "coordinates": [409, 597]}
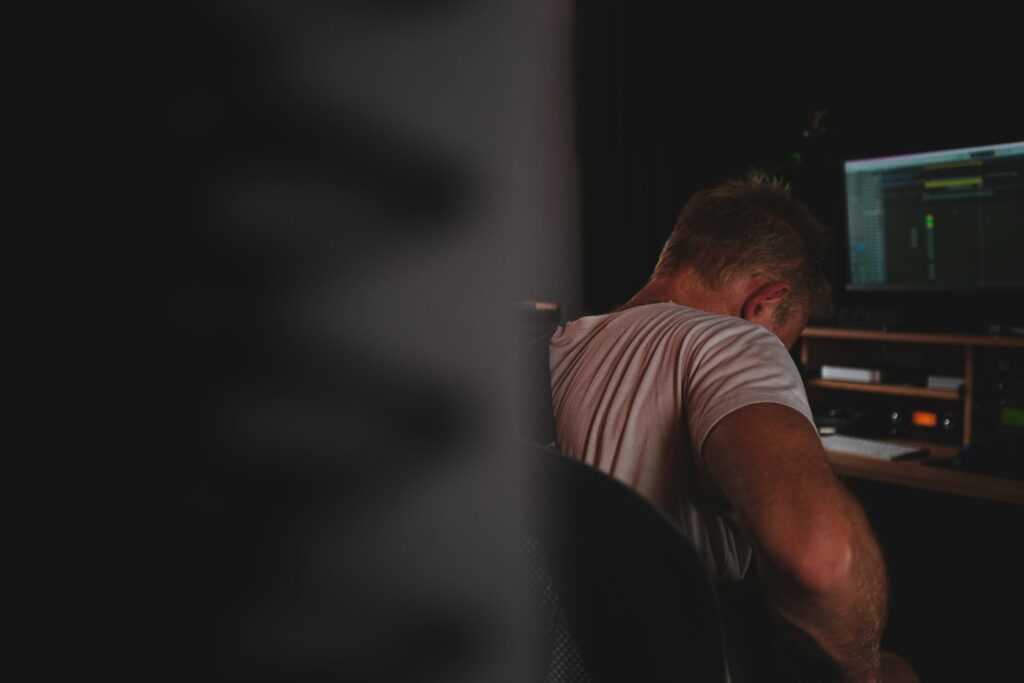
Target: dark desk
{"type": "Point", "coordinates": [954, 568]}
{"type": "Point", "coordinates": [916, 474]}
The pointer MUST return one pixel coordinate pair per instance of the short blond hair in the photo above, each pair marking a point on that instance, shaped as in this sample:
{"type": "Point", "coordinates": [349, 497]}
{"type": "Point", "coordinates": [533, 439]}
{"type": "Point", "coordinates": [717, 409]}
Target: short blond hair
{"type": "Point", "coordinates": [752, 226]}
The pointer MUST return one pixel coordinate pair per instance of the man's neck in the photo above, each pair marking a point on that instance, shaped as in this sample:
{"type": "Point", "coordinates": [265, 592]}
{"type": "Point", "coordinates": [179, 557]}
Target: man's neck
{"type": "Point", "coordinates": [684, 288]}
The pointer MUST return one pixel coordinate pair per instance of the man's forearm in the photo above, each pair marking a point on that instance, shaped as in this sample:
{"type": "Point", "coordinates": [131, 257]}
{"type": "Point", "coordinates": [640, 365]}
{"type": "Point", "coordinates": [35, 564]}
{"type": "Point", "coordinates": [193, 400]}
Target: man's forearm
{"type": "Point", "coordinates": [819, 564]}
{"type": "Point", "coordinates": [840, 612]}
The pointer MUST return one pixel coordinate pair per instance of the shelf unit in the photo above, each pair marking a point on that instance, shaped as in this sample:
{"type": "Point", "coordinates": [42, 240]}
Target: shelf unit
{"type": "Point", "coordinates": [816, 340]}
{"type": "Point", "coordinates": [887, 389]}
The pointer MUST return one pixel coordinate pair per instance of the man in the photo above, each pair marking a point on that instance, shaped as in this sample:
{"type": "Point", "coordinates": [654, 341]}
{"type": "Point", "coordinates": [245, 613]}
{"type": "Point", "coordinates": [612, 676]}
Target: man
{"type": "Point", "coordinates": [688, 394]}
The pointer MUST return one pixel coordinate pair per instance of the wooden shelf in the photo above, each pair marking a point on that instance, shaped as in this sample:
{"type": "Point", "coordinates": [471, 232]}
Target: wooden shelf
{"type": "Point", "coordinates": [912, 472]}
{"type": "Point", "coordinates": [913, 337]}
{"type": "Point", "coordinates": [872, 341]}
{"type": "Point", "coordinates": [888, 389]}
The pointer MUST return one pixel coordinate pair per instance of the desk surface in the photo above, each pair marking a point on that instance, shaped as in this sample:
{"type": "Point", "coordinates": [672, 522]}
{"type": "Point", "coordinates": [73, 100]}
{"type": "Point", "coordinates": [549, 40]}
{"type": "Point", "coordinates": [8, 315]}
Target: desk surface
{"type": "Point", "coordinates": [918, 475]}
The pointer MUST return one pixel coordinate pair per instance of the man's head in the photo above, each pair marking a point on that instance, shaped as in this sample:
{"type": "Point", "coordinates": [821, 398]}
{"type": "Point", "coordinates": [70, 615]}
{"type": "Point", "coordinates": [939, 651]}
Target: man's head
{"type": "Point", "coordinates": [753, 234]}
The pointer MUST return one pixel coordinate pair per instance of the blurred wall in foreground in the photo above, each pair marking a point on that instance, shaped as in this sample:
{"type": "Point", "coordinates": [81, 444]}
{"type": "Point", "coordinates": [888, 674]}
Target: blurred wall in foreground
{"type": "Point", "coordinates": [356, 196]}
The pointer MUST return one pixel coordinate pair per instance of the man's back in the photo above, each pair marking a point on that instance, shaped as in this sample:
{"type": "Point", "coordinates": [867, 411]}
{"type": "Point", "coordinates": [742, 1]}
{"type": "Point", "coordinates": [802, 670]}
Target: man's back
{"type": "Point", "coordinates": [636, 392]}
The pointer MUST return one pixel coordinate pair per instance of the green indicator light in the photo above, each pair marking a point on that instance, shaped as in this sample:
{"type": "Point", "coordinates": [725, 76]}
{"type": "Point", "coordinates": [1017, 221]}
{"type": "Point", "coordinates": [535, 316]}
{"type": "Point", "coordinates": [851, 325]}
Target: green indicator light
{"type": "Point", "coordinates": [1011, 416]}
{"type": "Point", "coordinates": [929, 221]}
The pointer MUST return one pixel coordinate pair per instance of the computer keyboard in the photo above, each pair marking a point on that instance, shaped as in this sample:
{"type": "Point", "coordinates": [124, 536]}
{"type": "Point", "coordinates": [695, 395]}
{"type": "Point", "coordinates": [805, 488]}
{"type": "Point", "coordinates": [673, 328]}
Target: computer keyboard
{"type": "Point", "coordinates": [870, 448]}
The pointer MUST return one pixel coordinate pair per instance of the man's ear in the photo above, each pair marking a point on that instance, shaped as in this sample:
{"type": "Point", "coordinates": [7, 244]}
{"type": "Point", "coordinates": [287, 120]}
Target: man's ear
{"type": "Point", "coordinates": [762, 303]}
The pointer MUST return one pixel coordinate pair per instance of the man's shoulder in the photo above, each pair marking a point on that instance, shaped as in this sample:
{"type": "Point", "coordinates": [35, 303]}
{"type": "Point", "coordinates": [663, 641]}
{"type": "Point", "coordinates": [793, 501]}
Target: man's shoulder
{"type": "Point", "coordinates": [668, 312]}
{"type": "Point", "coordinates": [702, 328]}
{"type": "Point", "coordinates": [687, 326]}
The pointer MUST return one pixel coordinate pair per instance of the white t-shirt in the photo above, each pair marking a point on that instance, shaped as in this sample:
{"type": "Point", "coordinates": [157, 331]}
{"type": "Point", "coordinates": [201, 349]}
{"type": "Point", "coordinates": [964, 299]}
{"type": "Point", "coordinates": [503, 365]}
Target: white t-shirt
{"type": "Point", "coordinates": [637, 392]}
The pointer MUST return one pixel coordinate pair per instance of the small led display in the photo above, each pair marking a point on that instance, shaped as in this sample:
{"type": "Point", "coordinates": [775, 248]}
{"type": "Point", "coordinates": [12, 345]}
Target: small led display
{"type": "Point", "coordinates": [923, 418]}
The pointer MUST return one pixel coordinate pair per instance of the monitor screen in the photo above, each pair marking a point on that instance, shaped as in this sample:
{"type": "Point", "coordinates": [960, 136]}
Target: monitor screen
{"type": "Point", "coordinates": [950, 219]}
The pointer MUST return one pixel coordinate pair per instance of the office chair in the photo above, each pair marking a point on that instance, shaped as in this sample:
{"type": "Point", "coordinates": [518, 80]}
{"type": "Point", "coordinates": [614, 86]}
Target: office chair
{"type": "Point", "coordinates": [631, 597]}
{"type": "Point", "coordinates": [621, 592]}
{"type": "Point", "coordinates": [536, 417]}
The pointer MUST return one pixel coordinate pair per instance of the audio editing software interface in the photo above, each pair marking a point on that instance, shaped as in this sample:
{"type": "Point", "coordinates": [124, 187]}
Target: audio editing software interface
{"type": "Point", "coordinates": [946, 219]}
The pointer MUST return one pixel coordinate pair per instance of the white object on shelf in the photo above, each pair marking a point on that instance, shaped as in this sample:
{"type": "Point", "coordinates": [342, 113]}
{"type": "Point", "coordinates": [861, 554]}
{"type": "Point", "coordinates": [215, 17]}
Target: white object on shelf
{"type": "Point", "coordinates": [843, 373]}
{"type": "Point", "coordinates": [946, 383]}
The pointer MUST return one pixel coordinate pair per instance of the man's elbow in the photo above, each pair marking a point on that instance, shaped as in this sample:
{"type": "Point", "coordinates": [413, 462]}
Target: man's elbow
{"type": "Point", "coordinates": [817, 562]}
{"type": "Point", "coordinates": [825, 566]}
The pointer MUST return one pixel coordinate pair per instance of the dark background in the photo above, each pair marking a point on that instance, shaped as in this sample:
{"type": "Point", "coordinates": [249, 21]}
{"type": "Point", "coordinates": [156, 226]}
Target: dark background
{"type": "Point", "coordinates": [668, 104]}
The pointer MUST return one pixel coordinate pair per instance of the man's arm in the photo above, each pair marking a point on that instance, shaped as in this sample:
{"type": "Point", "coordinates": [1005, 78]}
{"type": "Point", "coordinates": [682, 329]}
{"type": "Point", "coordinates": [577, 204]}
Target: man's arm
{"type": "Point", "coordinates": [818, 562]}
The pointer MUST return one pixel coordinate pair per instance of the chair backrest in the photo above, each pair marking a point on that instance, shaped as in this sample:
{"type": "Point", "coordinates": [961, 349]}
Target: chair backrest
{"type": "Point", "coordinates": [635, 596]}
{"type": "Point", "coordinates": [536, 416]}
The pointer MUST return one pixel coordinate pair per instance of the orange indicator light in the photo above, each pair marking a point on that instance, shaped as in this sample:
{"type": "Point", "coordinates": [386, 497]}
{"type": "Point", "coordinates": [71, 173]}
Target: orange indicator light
{"type": "Point", "coordinates": [923, 418]}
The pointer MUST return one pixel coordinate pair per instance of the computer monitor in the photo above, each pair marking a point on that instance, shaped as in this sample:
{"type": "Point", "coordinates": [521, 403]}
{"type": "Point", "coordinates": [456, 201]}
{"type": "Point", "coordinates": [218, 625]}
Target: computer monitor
{"type": "Point", "coordinates": [944, 220]}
